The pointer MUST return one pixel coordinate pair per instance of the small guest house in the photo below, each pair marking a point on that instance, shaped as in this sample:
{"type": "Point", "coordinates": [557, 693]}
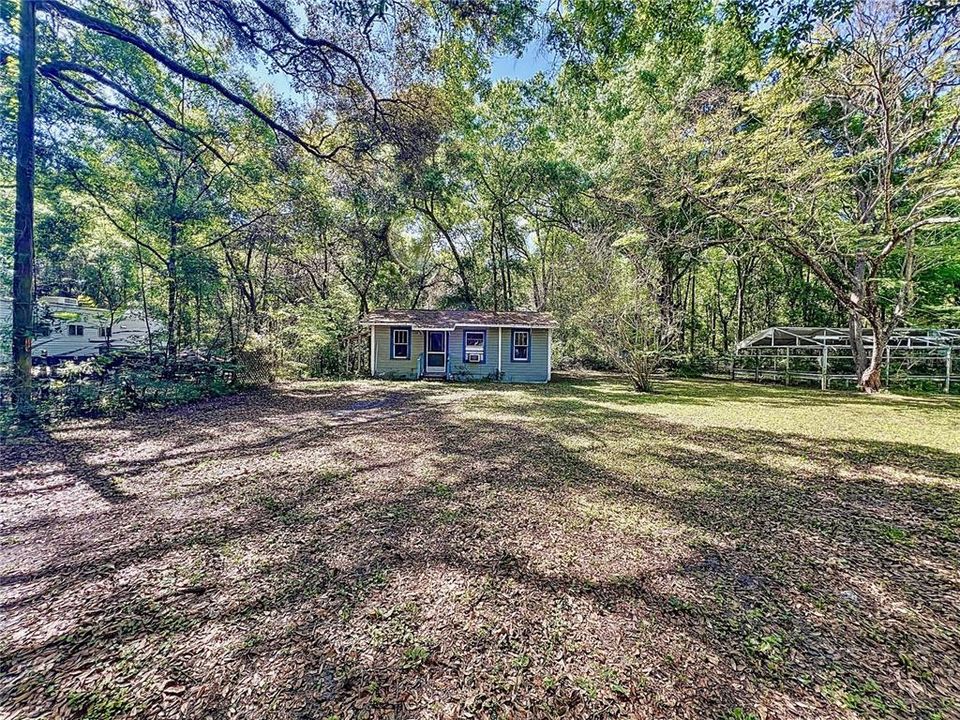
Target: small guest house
{"type": "Point", "coordinates": [460, 345]}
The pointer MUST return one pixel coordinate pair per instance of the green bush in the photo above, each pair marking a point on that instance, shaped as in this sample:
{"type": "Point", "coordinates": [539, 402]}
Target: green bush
{"type": "Point", "coordinates": [115, 384]}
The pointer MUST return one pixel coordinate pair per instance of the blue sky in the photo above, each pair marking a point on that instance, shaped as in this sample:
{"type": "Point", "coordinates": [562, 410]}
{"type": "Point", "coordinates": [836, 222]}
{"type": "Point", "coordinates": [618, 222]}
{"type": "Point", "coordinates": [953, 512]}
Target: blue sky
{"type": "Point", "coordinates": [535, 58]}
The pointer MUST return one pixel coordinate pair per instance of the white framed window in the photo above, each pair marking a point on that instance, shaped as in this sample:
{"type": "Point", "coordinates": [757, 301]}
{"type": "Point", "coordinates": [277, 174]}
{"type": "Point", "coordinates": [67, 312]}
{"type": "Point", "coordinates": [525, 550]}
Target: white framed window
{"type": "Point", "coordinates": [103, 332]}
{"type": "Point", "coordinates": [400, 344]}
{"type": "Point", "coordinates": [74, 330]}
{"type": "Point", "coordinates": [520, 345]}
{"type": "Point", "coordinates": [474, 346]}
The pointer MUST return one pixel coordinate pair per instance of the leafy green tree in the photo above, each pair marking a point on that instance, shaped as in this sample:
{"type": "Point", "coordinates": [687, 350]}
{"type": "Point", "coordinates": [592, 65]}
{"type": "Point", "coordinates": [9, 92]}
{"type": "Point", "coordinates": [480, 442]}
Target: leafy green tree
{"type": "Point", "coordinates": [850, 166]}
{"type": "Point", "coordinates": [347, 62]}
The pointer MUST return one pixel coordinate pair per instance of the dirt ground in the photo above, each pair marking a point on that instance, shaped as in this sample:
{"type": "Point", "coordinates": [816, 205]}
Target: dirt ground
{"type": "Point", "coordinates": [411, 550]}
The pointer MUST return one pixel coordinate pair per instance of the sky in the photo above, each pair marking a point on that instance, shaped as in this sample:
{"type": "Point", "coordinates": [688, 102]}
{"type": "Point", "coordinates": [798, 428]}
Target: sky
{"type": "Point", "coordinates": [536, 58]}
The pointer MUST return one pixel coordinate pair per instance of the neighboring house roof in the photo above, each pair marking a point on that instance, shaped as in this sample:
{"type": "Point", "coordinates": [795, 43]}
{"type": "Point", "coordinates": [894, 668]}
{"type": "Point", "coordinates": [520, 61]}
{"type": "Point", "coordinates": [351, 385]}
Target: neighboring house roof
{"type": "Point", "coordinates": [450, 319]}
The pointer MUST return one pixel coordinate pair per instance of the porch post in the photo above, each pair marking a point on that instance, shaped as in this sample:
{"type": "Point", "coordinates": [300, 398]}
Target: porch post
{"type": "Point", "coordinates": [373, 350]}
{"type": "Point", "coordinates": [499, 350]}
{"type": "Point", "coordinates": [786, 374]}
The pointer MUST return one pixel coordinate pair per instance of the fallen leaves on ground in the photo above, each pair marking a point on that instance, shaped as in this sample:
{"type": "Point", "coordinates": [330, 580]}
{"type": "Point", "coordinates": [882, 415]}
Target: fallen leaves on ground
{"type": "Point", "coordinates": [400, 550]}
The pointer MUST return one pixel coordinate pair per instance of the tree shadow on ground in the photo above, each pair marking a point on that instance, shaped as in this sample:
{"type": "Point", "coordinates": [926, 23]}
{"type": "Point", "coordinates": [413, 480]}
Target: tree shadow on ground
{"type": "Point", "coordinates": [404, 550]}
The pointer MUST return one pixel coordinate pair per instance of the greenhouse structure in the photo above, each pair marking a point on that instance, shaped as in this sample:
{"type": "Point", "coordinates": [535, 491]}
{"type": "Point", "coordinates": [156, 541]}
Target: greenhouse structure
{"type": "Point", "coordinates": [915, 357]}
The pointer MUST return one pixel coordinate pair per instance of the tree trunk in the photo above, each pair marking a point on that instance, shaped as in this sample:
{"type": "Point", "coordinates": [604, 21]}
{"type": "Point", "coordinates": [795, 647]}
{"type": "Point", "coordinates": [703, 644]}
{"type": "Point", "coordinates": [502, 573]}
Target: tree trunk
{"type": "Point", "coordinates": [665, 301]}
{"type": "Point", "coordinates": [461, 268]}
{"type": "Point", "coordinates": [855, 331]}
{"type": "Point", "coordinates": [113, 316]}
{"type": "Point", "coordinates": [198, 297]}
{"type": "Point", "coordinates": [23, 221]}
{"type": "Point", "coordinates": [172, 298]}
{"type": "Point", "coordinates": [143, 300]}
{"type": "Point", "coordinates": [740, 301]}
{"type": "Point", "coordinates": [504, 258]}
{"type": "Point", "coordinates": [641, 373]}
{"type": "Point", "coordinates": [494, 282]}
{"type": "Point", "coordinates": [871, 380]}
{"type": "Point", "coordinates": [693, 311]}
{"type": "Point", "coordinates": [855, 321]}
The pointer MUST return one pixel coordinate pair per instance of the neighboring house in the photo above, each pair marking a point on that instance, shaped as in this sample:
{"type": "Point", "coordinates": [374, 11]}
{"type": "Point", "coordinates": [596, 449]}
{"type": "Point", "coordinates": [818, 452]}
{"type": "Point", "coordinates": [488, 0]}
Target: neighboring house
{"type": "Point", "coordinates": [460, 345]}
{"type": "Point", "coordinates": [75, 331]}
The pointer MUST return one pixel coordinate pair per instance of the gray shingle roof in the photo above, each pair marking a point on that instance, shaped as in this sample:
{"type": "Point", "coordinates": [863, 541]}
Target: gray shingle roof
{"type": "Point", "coordinates": [449, 319]}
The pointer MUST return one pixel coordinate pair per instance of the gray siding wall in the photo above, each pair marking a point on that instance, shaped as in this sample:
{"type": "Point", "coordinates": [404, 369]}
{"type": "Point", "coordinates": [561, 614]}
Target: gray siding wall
{"type": "Point", "coordinates": [518, 372]}
{"type": "Point", "coordinates": [461, 370]}
{"type": "Point", "coordinates": [534, 371]}
{"type": "Point", "coordinates": [400, 369]}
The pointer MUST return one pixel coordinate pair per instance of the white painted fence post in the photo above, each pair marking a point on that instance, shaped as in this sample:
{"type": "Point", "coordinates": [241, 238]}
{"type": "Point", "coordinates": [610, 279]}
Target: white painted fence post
{"type": "Point", "coordinates": [823, 369]}
{"type": "Point", "coordinates": [946, 384]}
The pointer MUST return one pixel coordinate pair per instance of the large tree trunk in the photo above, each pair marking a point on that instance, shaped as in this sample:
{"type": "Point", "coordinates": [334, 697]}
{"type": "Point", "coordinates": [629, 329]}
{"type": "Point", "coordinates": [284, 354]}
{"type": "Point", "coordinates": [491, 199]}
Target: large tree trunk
{"type": "Point", "coordinates": [857, 349]}
{"type": "Point", "coordinates": [870, 378]}
{"type": "Point", "coordinates": [23, 221]}
{"type": "Point", "coordinates": [665, 300]}
{"type": "Point", "coordinates": [855, 321]}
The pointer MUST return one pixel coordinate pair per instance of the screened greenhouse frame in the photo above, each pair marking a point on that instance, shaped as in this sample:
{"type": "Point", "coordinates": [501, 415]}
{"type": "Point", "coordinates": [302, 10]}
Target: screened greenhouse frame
{"type": "Point", "coordinates": [914, 356]}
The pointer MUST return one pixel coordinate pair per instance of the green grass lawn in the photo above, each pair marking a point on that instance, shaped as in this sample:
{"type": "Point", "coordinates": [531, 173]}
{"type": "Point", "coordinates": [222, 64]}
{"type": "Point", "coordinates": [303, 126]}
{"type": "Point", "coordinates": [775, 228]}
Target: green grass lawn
{"type": "Point", "coordinates": [376, 549]}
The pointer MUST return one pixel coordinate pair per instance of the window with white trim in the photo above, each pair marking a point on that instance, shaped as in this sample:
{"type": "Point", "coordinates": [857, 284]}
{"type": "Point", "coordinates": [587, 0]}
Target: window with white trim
{"type": "Point", "coordinates": [400, 344]}
{"type": "Point", "coordinates": [474, 346]}
{"type": "Point", "coordinates": [103, 332]}
{"type": "Point", "coordinates": [521, 345]}
{"type": "Point", "coordinates": [74, 330]}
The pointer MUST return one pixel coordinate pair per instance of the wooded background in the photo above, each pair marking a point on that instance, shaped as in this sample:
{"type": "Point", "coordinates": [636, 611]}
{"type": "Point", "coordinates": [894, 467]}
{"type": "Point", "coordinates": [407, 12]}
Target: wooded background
{"type": "Point", "coordinates": [257, 174]}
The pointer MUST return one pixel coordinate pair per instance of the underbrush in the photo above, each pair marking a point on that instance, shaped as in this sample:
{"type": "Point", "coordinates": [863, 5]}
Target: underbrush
{"type": "Point", "coordinates": [112, 385]}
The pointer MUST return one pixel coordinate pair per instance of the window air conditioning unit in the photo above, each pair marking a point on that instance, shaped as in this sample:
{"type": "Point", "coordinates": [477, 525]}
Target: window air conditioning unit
{"type": "Point", "coordinates": [473, 357]}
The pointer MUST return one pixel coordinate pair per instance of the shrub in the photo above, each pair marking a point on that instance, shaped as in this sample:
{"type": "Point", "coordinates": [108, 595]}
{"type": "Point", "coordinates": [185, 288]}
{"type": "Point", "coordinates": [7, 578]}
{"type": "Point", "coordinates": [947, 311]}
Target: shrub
{"type": "Point", "coordinates": [118, 383]}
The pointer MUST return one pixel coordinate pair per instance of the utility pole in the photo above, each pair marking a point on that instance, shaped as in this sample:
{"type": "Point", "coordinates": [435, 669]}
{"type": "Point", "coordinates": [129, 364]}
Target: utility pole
{"type": "Point", "coordinates": [23, 218]}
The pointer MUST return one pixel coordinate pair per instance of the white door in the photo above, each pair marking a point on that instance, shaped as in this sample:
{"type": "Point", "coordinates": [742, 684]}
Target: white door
{"type": "Point", "coordinates": [436, 352]}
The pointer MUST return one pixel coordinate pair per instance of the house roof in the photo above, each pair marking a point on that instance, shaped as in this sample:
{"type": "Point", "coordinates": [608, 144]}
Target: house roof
{"type": "Point", "coordinates": [450, 319]}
